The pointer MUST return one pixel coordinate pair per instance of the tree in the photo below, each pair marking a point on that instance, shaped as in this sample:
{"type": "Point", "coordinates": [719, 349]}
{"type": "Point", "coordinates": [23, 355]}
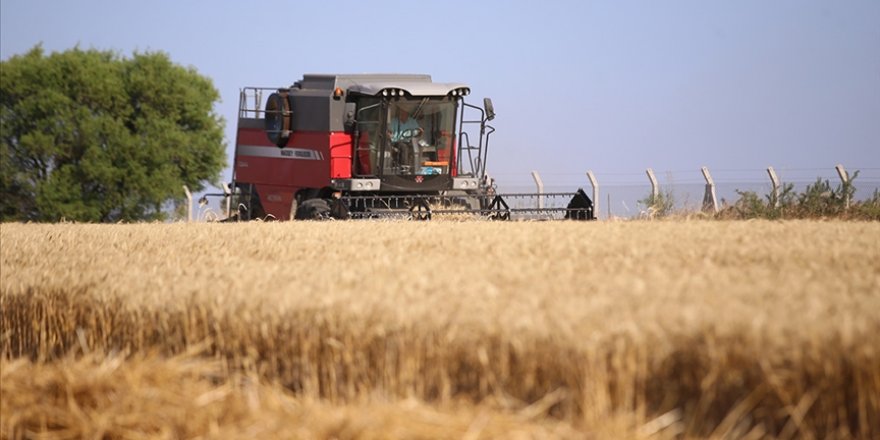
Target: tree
{"type": "Point", "coordinates": [93, 136]}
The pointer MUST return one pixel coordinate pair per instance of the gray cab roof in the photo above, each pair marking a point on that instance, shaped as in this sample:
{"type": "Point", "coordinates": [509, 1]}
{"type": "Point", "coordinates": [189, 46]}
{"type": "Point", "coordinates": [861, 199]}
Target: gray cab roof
{"type": "Point", "coordinates": [373, 84]}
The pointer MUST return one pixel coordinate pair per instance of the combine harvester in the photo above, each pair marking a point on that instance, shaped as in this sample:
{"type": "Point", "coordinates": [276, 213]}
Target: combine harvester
{"type": "Point", "coordinates": [373, 146]}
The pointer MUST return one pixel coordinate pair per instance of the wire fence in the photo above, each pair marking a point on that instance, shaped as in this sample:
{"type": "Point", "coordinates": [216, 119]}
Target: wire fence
{"type": "Point", "coordinates": [626, 194]}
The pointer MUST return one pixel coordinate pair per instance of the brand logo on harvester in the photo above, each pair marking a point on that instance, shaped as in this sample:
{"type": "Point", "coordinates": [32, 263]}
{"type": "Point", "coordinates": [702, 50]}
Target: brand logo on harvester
{"type": "Point", "coordinates": [420, 179]}
{"type": "Point", "coordinates": [281, 153]}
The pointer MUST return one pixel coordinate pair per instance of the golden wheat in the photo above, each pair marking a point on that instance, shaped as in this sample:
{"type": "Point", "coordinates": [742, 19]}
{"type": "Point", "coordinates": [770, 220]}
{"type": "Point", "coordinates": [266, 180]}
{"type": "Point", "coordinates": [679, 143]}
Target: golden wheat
{"type": "Point", "coordinates": [146, 396]}
{"type": "Point", "coordinates": [737, 329]}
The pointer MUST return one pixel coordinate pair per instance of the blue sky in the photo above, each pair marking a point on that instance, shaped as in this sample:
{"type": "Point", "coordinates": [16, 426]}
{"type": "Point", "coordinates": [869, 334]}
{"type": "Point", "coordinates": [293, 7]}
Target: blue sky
{"type": "Point", "coordinates": [615, 87]}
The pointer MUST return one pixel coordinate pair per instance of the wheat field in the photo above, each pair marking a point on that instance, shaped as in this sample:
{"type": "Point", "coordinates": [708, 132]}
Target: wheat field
{"type": "Point", "coordinates": [641, 329]}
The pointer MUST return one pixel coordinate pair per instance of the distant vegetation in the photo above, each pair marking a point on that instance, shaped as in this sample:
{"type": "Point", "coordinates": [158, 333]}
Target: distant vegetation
{"type": "Point", "coordinates": [662, 205]}
{"type": "Point", "coordinates": [88, 135]}
{"type": "Point", "coordinates": [819, 200]}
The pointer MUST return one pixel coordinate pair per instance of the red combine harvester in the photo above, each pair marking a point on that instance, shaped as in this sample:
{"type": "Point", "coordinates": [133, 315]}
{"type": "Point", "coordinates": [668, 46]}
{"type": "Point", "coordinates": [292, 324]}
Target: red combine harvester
{"type": "Point", "coordinates": [372, 146]}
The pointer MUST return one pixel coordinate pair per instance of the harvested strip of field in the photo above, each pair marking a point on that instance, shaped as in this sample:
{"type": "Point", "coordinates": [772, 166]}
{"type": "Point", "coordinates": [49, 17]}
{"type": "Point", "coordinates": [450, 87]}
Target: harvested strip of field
{"type": "Point", "coordinates": [703, 328]}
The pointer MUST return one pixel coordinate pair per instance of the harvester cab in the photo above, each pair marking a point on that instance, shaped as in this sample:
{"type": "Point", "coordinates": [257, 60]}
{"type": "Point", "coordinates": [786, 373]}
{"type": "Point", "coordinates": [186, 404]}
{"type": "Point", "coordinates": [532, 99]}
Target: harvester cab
{"type": "Point", "coordinates": [367, 146]}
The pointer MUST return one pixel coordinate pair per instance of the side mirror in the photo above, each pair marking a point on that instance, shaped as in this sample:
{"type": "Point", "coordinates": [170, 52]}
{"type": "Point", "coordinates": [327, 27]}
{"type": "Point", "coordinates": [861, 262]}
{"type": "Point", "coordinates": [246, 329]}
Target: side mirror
{"type": "Point", "coordinates": [490, 109]}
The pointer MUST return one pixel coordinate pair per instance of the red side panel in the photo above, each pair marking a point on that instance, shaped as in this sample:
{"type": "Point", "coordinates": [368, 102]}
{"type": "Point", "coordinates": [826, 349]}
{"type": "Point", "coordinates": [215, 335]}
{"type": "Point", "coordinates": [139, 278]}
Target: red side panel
{"type": "Point", "coordinates": [279, 173]}
{"type": "Point", "coordinates": [276, 200]}
{"type": "Point", "coordinates": [304, 162]}
{"type": "Point", "coordinates": [340, 155]}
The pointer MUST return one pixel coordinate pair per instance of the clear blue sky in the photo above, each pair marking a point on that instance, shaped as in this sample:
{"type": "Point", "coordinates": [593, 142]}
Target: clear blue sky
{"type": "Point", "coordinates": [611, 86]}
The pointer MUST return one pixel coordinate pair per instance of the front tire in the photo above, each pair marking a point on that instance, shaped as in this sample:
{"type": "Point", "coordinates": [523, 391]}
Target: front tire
{"type": "Point", "coordinates": [313, 209]}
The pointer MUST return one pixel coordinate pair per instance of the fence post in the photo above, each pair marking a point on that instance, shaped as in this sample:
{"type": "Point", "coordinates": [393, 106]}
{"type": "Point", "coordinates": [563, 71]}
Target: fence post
{"type": "Point", "coordinates": [227, 194]}
{"type": "Point", "coordinates": [609, 207]}
{"type": "Point", "coordinates": [709, 199]}
{"type": "Point", "coordinates": [540, 185]}
{"type": "Point", "coordinates": [774, 180]}
{"type": "Point", "coordinates": [844, 180]}
{"type": "Point", "coordinates": [189, 204]}
{"type": "Point", "coordinates": [595, 185]}
{"type": "Point", "coordinates": [655, 191]}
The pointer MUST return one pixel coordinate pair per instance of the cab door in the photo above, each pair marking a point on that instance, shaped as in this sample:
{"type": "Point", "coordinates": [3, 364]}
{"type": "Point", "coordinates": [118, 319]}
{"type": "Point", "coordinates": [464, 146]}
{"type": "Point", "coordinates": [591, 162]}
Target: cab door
{"type": "Point", "coordinates": [370, 136]}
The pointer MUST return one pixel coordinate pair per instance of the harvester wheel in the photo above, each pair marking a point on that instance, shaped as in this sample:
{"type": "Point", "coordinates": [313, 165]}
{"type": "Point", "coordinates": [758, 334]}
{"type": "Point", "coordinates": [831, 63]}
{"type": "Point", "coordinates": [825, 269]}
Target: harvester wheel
{"type": "Point", "coordinates": [313, 209]}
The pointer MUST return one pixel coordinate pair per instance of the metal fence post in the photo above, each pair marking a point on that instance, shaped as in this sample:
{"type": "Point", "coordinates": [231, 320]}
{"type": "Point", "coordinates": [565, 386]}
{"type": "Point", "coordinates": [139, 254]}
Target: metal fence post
{"type": "Point", "coordinates": [655, 191]}
{"type": "Point", "coordinates": [595, 184]}
{"type": "Point", "coordinates": [540, 185]}
{"type": "Point", "coordinates": [189, 204]}
{"type": "Point", "coordinates": [709, 199]}
{"type": "Point", "coordinates": [775, 181]}
{"type": "Point", "coordinates": [844, 180]}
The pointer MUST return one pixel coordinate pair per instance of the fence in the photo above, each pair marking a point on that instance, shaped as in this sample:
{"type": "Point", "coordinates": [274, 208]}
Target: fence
{"type": "Point", "coordinates": [625, 194]}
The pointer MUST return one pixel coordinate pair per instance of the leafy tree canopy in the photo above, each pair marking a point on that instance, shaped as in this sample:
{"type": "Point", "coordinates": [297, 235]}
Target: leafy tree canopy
{"type": "Point", "coordinates": [93, 136]}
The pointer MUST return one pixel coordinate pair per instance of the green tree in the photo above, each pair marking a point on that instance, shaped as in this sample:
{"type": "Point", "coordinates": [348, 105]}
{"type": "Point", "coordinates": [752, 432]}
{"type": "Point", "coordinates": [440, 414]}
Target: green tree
{"type": "Point", "coordinates": [93, 136]}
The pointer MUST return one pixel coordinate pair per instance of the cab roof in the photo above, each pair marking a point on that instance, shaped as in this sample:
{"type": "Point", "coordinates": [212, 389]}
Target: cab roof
{"type": "Point", "coordinates": [374, 84]}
